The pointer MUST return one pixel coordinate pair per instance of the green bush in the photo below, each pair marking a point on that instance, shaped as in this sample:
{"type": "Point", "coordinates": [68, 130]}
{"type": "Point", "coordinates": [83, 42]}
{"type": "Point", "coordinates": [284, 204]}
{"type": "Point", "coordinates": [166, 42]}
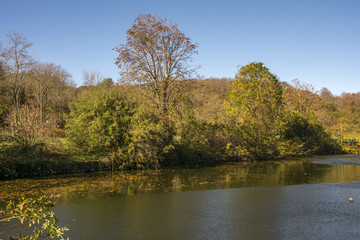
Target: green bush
{"type": "Point", "coordinates": [111, 122]}
{"type": "Point", "coordinates": [99, 120]}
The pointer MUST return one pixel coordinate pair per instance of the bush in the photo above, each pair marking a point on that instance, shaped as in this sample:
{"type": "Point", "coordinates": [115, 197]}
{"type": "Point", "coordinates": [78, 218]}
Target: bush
{"type": "Point", "coordinates": [99, 120]}
{"type": "Point", "coordinates": [245, 143]}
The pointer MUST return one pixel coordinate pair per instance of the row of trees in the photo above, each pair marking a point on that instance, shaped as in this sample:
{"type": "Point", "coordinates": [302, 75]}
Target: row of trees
{"type": "Point", "coordinates": [166, 118]}
{"type": "Point", "coordinates": [159, 114]}
{"type": "Point", "coordinates": [34, 95]}
{"type": "Point", "coordinates": [24, 81]}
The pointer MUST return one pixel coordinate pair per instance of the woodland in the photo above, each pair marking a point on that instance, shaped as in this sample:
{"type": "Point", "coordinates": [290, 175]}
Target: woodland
{"type": "Point", "coordinates": [158, 113]}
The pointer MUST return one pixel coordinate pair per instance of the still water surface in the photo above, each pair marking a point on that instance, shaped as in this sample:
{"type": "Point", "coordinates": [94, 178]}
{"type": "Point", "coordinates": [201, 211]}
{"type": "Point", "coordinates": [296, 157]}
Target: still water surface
{"type": "Point", "coordinates": [298, 199]}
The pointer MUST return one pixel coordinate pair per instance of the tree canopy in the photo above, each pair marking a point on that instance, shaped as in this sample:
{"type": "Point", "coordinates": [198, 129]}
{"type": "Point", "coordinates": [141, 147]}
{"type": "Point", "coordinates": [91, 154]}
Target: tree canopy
{"type": "Point", "coordinates": [156, 54]}
{"type": "Point", "coordinates": [99, 120]}
{"type": "Point", "coordinates": [255, 97]}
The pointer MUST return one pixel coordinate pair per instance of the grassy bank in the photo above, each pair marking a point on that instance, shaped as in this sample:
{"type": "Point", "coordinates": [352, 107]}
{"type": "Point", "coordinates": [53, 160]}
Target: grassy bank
{"type": "Point", "coordinates": [56, 157]}
{"type": "Point", "coordinates": [44, 159]}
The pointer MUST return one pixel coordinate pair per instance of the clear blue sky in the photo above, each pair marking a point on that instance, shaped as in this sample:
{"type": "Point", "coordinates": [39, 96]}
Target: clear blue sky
{"type": "Point", "coordinates": [316, 41]}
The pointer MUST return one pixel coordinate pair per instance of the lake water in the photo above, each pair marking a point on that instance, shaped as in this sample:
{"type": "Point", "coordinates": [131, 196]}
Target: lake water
{"type": "Point", "coordinates": [297, 199]}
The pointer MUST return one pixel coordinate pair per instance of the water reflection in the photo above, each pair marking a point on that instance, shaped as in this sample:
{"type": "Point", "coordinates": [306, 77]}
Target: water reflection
{"type": "Point", "coordinates": [315, 211]}
{"type": "Point", "coordinates": [248, 201]}
{"type": "Point", "coordinates": [231, 175]}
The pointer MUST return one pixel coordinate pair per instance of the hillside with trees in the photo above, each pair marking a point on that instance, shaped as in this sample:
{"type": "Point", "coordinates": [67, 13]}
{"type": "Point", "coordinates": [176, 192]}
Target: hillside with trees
{"type": "Point", "coordinates": [159, 114]}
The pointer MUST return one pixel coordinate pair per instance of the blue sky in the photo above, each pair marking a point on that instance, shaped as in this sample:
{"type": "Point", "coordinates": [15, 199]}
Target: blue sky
{"type": "Point", "coordinates": [316, 41]}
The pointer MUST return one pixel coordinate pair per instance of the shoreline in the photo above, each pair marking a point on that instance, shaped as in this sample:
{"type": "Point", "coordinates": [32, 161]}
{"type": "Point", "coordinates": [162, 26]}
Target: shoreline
{"type": "Point", "coordinates": [38, 168]}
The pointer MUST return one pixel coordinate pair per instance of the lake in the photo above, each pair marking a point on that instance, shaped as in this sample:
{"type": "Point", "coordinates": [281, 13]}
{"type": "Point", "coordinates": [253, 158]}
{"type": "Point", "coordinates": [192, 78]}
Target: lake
{"type": "Point", "coordinates": [294, 199]}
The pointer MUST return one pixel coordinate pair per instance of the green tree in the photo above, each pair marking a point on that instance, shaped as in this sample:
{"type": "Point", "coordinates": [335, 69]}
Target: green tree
{"type": "Point", "coordinates": [156, 55]}
{"type": "Point", "coordinates": [99, 120]}
{"type": "Point", "coordinates": [255, 98]}
{"type": "Point", "coordinates": [254, 107]}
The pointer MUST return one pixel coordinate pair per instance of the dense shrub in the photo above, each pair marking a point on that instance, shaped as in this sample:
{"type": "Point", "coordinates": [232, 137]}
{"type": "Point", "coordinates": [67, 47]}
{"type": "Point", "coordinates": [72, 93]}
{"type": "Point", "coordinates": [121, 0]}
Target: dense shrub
{"type": "Point", "coordinates": [149, 139]}
{"type": "Point", "coordinates": [310, 138]}
{"type": "Point", "coordinates": [199, 142]}
{"type": "Point", "coordinates": [111, 122]}
{"type": "Point", "coordinates": [99, 120]}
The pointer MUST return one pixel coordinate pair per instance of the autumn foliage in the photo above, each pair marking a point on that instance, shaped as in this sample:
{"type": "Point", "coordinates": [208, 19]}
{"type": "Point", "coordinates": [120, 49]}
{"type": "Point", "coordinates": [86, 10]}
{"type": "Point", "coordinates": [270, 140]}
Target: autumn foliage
{"type": "Point", "coordinates": [157, 55]}
{"type": "Point", "coordinates": [159, 114]}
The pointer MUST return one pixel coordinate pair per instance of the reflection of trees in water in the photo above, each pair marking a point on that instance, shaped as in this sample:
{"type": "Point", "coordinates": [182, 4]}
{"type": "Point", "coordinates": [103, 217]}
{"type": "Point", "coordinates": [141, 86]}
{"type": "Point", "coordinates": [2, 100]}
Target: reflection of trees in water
{"type": "Point", "coordinates": [232, 175]}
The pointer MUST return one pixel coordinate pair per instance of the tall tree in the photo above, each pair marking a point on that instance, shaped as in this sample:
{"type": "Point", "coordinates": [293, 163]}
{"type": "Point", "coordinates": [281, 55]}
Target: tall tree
{"type": "Point", "coordinates": [255, 97]}
{"type": "Point", "coordinates": [254, 107]}
{"type": "Point", "coordinates": [17, 63]}
{"type": "Point", "coordinates": [157, 55]}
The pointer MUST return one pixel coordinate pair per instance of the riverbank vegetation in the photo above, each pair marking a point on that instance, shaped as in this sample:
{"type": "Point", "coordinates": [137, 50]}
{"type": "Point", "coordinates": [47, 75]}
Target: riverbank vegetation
{"type": "Point", "coordinates": [158, 114]}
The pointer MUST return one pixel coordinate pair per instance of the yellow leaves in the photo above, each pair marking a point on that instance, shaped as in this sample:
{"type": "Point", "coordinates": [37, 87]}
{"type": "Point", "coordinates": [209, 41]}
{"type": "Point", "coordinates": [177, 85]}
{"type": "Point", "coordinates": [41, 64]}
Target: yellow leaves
{"type": "Point", "coordinates": [168, 148]}
{"type": "Point", "coordinates": [35, 211]}
{"type": "Point", "coordinates": [228, 146]}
